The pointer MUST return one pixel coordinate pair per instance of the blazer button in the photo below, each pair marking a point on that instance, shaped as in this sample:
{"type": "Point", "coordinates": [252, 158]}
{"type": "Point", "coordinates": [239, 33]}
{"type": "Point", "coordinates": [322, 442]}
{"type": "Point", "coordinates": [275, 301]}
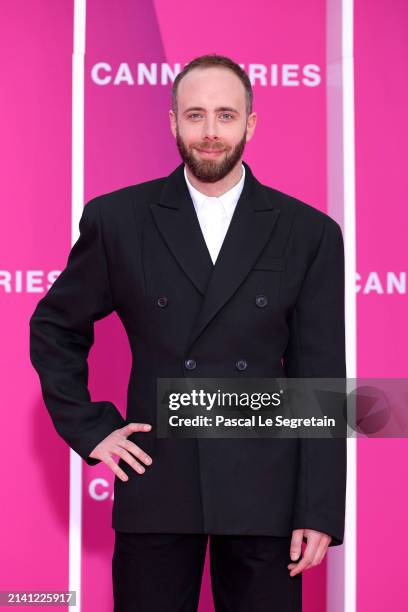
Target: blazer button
{"type": "Point", "coordinates": [241, 364]}
{"type": "Point", "coordinates": [261, 300]}
{"type": "Point", "coordinates": [162, 301]}
{"type": "Point", "coordinates": [190, 364]}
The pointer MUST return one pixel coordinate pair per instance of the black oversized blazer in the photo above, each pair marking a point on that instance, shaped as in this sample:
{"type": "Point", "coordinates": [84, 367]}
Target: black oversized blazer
{"type": "Point", "coordinates": [143, 242]}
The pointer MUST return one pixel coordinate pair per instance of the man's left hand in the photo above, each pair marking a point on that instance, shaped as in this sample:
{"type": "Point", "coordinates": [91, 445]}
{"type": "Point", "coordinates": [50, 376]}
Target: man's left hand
{"type": "Point", "coordinates": [316, 547]}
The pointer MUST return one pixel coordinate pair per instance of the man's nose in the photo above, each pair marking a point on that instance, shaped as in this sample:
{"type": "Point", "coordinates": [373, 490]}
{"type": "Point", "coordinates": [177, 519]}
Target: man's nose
{"type": "Point", "coordinates": [210, 129]}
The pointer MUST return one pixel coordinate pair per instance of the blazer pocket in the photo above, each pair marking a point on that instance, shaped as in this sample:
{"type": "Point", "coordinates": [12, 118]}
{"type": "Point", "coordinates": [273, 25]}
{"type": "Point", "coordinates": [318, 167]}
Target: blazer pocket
{"type": "Point", "coordinates": [266, 262]}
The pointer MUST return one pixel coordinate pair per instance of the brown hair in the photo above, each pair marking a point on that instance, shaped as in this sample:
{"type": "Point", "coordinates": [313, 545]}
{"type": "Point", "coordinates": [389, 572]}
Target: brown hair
{"type": "Point", "coordinates": [209, 61]}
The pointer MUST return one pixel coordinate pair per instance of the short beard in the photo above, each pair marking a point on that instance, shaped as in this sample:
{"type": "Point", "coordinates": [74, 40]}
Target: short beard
{"type": "Point", "coordinates": [210, 170]}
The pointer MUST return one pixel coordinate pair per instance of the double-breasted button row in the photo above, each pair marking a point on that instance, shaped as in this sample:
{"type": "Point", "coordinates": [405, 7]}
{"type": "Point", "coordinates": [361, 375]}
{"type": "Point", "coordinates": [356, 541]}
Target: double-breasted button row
{"type": "Point", "coordinates": [261, 300]}
{"type": "Point", "coordinates": [191, 364]}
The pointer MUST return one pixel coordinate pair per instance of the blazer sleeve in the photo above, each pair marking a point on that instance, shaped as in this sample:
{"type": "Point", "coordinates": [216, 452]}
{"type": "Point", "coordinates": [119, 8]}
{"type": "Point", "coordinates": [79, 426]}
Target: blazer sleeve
{"type": "Point", "coordinates": [316, 349]}
{"type": "Point", "coordinates": [62, 333]}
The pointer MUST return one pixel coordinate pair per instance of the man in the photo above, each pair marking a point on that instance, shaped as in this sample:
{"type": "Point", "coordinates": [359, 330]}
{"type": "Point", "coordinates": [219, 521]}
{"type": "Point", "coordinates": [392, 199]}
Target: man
{"type": "Point", "coordinates": [213, 275]}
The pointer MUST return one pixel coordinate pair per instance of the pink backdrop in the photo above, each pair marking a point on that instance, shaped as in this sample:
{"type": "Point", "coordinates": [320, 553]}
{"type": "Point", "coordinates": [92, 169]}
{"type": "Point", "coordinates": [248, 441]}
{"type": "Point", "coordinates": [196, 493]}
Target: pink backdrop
{"type": "Point", "coordinates": [381, 47]}
{"type": "Point", "coordinates": [127, 140]}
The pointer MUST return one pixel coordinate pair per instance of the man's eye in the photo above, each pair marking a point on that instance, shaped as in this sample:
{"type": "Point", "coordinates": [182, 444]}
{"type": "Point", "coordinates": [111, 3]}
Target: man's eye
{"type": "Point", "coordinates": [223, 115]}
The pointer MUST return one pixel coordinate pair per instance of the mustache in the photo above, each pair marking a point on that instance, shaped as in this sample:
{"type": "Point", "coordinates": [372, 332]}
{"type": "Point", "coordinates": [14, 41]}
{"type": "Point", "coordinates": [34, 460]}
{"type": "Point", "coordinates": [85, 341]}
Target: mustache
{"type": "Point", "coordinates": [205, 147]}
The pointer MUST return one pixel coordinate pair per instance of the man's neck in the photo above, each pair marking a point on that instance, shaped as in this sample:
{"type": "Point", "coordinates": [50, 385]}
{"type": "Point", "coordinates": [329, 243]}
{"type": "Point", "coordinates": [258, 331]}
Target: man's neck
{"type": "Point", "coordinates": [219, 187]}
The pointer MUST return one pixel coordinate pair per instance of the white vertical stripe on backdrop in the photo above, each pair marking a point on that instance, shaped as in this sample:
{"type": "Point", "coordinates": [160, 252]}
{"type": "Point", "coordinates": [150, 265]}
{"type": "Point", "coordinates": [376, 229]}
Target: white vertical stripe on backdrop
{"type": "Point", "coordinates": [350, 561]}
{"type": "Point", "coordinates": [341, 561]}
{"type": "Point", "coordinates": [77, 203]}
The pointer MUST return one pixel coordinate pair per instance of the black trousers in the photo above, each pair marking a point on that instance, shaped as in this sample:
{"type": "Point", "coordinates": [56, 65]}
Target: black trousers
{"type": "Point", "coordinates": [154, 572]}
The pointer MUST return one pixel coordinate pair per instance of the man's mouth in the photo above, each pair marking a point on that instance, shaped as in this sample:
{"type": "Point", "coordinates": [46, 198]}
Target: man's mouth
{"type": "Point", "coordinates": [211, 152]}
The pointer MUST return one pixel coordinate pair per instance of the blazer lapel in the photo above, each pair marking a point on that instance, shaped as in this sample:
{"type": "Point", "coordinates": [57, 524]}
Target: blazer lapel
{"type": "Point", "coordinates": [177, 221]}
{"type": "Point", "coordinates": [251, 225]}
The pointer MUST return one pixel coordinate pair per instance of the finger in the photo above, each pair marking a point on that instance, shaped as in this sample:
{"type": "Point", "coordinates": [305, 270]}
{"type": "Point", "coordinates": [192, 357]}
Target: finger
{"type": "Point", "coordinates": [116, 469]}
{"type": "Point", "coordinates": [137, 451]}
{"type": "Point", "coordinates": [308, 556]}
{"type": "Point", "coordinates": [296, 544]}
{"type": "Point", "coordinates": [319, 555]}
{"type": "Point", "coordinates": [302, 565]}
{"type": "Point", "coordinates": [321, 551]}
{"type": "Point", "coordinates": [123, 453]}
{"type": "Point", "coordinates": [132, 427]}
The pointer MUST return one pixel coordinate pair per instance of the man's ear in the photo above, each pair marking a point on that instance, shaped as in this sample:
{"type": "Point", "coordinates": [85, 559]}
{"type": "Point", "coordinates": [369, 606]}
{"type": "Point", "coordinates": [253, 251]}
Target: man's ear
{"type": "Point", "coordinates": [173, 122]}
{"type": "Point", "coordinates": [251, 123]}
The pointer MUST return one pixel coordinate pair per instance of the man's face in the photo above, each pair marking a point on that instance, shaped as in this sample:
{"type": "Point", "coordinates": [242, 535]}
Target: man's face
{"type": "Point", "coordinates": [211, 127]}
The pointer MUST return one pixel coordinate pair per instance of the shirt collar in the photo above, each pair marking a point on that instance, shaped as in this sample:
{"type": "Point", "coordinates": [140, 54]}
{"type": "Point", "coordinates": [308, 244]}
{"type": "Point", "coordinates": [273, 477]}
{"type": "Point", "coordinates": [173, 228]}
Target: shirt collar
{"type": "Point", "coordinates": [228, 199]}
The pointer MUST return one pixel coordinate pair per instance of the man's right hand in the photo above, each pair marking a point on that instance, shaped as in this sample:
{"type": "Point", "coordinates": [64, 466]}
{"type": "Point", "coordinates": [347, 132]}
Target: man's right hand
{"type": "Point", "coordinates": [118, 444]}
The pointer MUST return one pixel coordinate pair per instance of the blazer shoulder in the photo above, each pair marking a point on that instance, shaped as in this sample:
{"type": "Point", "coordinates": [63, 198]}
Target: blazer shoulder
{"type": "Point", "coordinates": [131, 198]}
{"type": "Point", "coordinates": [306, 215]}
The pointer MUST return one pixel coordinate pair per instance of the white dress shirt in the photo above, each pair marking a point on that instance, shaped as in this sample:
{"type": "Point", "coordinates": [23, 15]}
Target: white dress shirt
{"type": "Point", "coordinates": [215, 213]}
